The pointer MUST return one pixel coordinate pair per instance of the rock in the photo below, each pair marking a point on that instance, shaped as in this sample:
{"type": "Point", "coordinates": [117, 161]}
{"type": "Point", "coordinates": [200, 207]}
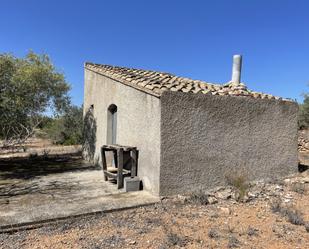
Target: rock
{"type": "Point", "coordinates": [287, 198]}
{"type": "Point", "coordinates": [224, 194]}
{"type": "Point", "coordinates": [131, 242]}
{"type": "Point", "coordinates": [252, 195]}
{"type": "Point", "coordinates": [182, 199]}
{"type": "Point", "coordinates": [305, 179]}
{"type": "Point", "coordinates": [279, 188]}
{"type": "Point", "coordinates": [212, 200]}
{"type": "Point", "coordinates": [224, 211]}
{"type": "Point", "coordinates": [287, 181]}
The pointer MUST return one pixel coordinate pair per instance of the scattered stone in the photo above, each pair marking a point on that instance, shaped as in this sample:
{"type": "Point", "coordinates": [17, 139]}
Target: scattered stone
{"type": "Point", "coordinates": [303, 142]}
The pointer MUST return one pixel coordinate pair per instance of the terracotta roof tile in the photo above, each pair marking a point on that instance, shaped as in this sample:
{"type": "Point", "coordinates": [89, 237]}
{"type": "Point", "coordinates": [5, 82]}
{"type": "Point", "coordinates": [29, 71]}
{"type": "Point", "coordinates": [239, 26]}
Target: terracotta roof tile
{"type": "Point", "coordinates": [157, 82]}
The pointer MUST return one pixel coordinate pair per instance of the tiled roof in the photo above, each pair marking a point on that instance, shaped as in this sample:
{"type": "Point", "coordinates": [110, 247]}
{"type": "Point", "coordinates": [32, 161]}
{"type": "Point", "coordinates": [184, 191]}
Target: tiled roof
{"type": "Point", "coordinates": [155, 83]}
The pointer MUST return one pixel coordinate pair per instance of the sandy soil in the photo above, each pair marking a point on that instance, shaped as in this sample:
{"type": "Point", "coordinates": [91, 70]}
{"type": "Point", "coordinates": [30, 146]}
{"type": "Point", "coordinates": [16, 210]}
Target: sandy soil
{"type": "Point", "coordinates": [181, 223]}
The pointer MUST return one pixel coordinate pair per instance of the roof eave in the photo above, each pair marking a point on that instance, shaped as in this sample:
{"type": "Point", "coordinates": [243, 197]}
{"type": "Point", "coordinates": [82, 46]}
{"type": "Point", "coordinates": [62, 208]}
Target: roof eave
{"type": "Point", "coordinates": [124, 82]}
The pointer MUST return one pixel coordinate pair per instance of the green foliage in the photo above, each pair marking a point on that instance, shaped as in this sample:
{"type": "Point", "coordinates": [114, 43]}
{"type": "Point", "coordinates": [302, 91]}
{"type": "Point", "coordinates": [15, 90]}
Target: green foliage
{"type": "Point", "coordinates": [29, 87]}
{"type": "Point", "coordinates": [303, 117]}
{"type": "Point", "coordinates": [68, 128]}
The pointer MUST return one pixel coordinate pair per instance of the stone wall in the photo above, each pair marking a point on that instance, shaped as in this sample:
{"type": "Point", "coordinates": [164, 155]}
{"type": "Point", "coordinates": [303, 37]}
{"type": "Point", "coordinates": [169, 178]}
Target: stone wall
{"type": "Point", "coordinates": [206, 138]}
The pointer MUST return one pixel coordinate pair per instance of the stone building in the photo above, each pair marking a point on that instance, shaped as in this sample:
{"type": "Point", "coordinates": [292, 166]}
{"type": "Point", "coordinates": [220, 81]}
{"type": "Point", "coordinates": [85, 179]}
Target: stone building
{"type": "Point", "coordinates": [190, 134]}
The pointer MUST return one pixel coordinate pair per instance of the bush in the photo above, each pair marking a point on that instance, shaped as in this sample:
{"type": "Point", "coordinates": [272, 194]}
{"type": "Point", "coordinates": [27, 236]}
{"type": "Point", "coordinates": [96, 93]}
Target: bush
{"type": "Point", "coordinates": [252, 231]}
{"type": "Point", "coordinates": [200, 198]}
{"type": "Point", "coordinates": [213, 233]}
{"type": "Point", "coordinates": [233, 242]}
{"type": "Point", "coordinates": [175, 240]}
{"type": "Point", "coordinates": [299, 188]}
{"type": "Point", "coordinates": [68, 128]}
{"type": "Point", "coordinates": [293, 215]}
{"type": "Point", "coordinates": [239, 182]}
{"type": "Point", "coordinates": [303, 115]}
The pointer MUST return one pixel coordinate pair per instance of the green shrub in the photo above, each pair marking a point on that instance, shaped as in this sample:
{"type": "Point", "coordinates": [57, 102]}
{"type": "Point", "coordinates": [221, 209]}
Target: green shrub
{"type": "Point", "coordinates": [239, 181]}
{"type": "Point", "coordinates": [68, 128]}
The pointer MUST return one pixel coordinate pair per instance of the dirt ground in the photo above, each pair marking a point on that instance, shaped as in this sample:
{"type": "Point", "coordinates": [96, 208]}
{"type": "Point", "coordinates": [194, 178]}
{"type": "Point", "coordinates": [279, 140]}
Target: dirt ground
{"type": "Point", "coordinates": [276, 216]}
{"type": "Point", "coordinates": [39, 147]}
{"type": "Point", "coordinates": [183, 222]}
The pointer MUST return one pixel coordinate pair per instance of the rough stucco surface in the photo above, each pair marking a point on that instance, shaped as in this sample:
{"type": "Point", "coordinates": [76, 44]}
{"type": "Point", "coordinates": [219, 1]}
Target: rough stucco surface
{"type": "Point", "coordinates": [205, 138]}
{"type": "Point", "coordinates": [138, 122]}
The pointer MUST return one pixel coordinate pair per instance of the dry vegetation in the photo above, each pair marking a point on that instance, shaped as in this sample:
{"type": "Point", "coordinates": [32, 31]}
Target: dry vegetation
{"type": "Point", "coordinates": [36, 146]}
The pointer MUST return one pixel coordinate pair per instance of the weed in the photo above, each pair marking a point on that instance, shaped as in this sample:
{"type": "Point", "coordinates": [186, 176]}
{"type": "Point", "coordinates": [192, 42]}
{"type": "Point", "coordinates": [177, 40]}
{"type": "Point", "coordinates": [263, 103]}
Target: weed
{"type": "Point", "coordinates": [174, 240]}
{"type": "Point", "coordinates": [276, 206]}
{"type": "Point", "coordinates": [199, 198]}
{"type": "Point", "coordinates": [153, 221]}
{"type": "Point", "coordinates": [298, 187]}
{"type": "Point", "coordinates": [46, 153]}
{"type": "Point", "coordinates": [252, 231]}
{"type": "Point", "coordinates": [307, 227]}
{"type": "Point", "coordinates": [213, 233]}
{"type": "Point", "coordinates": [33, 155]}
{"type": "Point", "coordinates": [233, 242]}
{"type": "Point", "coordinates": [230, 229]}
{"type": "Point", "coordinates": [239, 182]}
{"type": "Point", "coordinates": [293, 215]}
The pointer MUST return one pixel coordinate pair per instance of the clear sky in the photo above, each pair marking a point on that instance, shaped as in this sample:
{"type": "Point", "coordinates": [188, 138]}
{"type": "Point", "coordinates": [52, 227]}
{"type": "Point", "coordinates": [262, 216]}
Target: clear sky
{"type": "Point", "coordinates": [188, 38]}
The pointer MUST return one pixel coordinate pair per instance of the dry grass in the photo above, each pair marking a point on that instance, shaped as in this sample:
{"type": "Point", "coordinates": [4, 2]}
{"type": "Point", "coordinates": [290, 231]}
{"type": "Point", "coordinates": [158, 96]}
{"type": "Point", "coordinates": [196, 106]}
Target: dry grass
{"type": "Point", "coordinates": [298, 187]}
{"type": "Point", "coordinates": [293, 215]}
{"type": "Point", "coordinates": [199, 197]}
{"type": "Point", "coordinates": [239, 182]}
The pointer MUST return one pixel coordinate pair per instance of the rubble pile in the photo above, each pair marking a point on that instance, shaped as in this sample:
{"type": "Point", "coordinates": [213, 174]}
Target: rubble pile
{"type": "Point", "coordinates": [303, 141]}
{"type": "Point", "coordinates": [263, 189]}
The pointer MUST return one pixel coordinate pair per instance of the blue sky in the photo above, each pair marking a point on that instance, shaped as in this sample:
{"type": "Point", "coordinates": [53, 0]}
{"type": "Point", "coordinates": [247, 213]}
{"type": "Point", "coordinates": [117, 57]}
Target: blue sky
{"type": "Point", "coordinates": [188, 38]}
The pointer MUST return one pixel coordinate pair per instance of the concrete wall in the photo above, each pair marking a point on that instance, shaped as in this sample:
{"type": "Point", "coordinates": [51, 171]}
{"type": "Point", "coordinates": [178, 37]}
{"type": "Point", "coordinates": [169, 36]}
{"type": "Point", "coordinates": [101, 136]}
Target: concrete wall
{"type": "Point", "coordinates": [205, 138]}
{"type": "Point", "coordinates": [138, 122]}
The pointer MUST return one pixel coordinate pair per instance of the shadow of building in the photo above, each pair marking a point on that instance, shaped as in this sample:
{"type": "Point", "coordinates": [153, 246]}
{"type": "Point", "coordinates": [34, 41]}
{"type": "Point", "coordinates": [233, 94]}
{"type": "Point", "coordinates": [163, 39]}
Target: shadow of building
{"type": "Point", "coordinates": [89, 136]}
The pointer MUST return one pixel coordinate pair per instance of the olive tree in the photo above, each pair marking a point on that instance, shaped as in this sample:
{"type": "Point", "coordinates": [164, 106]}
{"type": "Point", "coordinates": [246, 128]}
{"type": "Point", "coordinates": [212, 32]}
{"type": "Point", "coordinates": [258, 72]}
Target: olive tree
{"type": "Point", "coordinates": [303, 117]}
{"type": "Point", "coordinates": [29, 87]}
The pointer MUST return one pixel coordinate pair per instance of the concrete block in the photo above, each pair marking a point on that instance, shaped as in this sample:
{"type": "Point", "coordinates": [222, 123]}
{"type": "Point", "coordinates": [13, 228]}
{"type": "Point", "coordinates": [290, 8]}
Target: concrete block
{"type": "Point", "coordinates": [132, 184]}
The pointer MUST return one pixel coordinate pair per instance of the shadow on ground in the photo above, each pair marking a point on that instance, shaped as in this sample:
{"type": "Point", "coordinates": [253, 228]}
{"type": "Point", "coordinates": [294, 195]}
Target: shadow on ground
{"type": "Point", "coordinates": [37, 190]}
{"type": "Point", "coordinates": [33, 167]}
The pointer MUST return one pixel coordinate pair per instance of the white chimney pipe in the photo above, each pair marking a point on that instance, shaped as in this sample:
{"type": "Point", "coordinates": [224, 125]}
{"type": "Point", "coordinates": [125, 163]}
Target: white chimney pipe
{"type": "Point", "coordinates": [236, 68]}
